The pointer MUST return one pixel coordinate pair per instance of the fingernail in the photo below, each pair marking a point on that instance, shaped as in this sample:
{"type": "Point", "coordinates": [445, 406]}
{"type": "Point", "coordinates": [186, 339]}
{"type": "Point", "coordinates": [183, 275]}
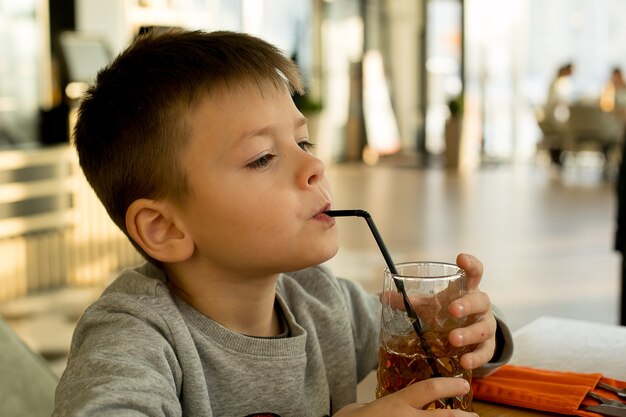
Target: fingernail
{"type": "Point", "coordinates": [466, 386]}
{"type": "Point", "coordinates": [461, 309]}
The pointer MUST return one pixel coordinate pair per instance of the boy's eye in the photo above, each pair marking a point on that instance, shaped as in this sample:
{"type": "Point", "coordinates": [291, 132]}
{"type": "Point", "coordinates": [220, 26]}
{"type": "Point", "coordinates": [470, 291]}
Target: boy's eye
{"type": "Point", "coordinates": [262, 162]}
{"type": "Point", "coordinates": [306, 145]}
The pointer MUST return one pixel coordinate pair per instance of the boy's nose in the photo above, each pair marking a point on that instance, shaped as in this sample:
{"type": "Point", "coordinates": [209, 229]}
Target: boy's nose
{"type": "Point", "coordinates": [311, 171]}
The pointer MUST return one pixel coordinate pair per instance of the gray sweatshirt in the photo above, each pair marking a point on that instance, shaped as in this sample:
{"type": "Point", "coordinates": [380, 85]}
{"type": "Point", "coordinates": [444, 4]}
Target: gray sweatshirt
{"type": "Point", "coordinates": [140, 351]}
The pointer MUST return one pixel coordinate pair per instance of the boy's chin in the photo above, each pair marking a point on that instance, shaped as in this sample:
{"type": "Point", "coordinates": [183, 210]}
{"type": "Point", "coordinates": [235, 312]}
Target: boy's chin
{"type": "Point", "coordinates": [328, 255]}
{"type": "Point", "coordinates": [323, 259]}
{"type": "Point", "coordinates": [320, 258]}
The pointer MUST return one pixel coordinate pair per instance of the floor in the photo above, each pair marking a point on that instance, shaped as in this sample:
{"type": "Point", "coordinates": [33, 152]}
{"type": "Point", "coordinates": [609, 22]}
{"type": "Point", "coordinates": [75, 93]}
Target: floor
{"type": "Point", "coordinates": [545, 238]}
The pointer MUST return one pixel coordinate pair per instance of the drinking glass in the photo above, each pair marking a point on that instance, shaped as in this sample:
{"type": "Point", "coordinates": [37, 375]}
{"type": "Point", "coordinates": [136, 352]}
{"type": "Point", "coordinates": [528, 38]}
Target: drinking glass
{"type": "Point", "coordinates": [405, 357]}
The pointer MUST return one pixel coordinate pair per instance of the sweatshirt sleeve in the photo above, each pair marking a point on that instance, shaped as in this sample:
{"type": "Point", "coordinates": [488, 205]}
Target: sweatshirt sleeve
{"type": "Point", "coordinates": [121, 364]}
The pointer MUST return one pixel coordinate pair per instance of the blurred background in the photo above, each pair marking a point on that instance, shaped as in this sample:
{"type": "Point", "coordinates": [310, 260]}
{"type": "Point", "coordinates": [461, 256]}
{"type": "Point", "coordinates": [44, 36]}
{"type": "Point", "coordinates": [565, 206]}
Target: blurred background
{"type": "Point", "coordinates": [479, 126]}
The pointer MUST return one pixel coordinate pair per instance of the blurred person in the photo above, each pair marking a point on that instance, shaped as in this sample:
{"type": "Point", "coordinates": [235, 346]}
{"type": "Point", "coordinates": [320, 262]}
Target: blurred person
{"type": "Point", "coordinates": [560, 92]}
{"type": "Point", "coordinates": [613, 97]}
{"type": "Point", "coordinates": [620, 231]}
{"type": "Point", "coordinates": [556, 110]}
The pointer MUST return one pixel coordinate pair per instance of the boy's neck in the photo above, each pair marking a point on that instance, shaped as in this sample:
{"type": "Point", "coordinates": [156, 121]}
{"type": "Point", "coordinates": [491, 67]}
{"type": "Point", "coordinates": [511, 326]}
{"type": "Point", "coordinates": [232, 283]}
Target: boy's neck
{"type": "Point", "coordinates": [245, 306]}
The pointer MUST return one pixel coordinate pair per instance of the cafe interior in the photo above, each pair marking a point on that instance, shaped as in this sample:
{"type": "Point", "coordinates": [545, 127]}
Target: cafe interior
{"type": "Point", "coordinates": [455, 123]}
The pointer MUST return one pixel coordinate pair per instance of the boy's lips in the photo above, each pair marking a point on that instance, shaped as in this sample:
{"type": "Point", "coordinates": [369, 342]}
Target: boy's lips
{"type": "Point", "coordinates": [322, 216]}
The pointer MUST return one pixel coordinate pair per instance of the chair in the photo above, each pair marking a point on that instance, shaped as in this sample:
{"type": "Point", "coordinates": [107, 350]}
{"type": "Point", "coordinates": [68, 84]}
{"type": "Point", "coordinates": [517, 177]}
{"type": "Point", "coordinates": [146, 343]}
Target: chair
{"type": "Point", "coordinates": [589, 126]}
{"type": "Point", "coordinates": [27, 385]}
{"type": "Point", "coordinates": [585, 127]}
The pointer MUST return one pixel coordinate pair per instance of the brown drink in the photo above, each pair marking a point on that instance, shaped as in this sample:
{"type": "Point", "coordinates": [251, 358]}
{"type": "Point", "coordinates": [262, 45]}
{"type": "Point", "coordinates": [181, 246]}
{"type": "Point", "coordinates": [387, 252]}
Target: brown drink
{"type": "Point", "coordinates": [428, 288]}
{"type": "Point", "coordinates": [402, 362]}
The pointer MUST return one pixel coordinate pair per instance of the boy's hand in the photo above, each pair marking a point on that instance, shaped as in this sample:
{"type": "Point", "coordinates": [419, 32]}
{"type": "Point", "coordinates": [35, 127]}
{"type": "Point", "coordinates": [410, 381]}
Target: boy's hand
{"type": "Point", "coordinates": [482, 330]}
{"type": "Point", "coordinates": [408, 402]}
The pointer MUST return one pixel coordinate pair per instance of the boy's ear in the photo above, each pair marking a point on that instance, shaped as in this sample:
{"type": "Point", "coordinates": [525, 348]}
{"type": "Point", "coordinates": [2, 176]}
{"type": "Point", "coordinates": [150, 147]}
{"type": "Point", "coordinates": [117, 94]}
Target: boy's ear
{"type": "Point", "coordinates": [153, 226]}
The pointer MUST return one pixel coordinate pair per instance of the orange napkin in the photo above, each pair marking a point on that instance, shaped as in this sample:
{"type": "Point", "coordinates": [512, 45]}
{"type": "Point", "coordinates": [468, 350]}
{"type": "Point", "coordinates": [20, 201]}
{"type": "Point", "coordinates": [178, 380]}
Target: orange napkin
{"type": "Point", "coordinates": [552, 391]}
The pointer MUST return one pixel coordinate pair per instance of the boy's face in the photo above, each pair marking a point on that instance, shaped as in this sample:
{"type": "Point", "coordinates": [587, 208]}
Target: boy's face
{"type": "Point", "coordinates": [257, 193]}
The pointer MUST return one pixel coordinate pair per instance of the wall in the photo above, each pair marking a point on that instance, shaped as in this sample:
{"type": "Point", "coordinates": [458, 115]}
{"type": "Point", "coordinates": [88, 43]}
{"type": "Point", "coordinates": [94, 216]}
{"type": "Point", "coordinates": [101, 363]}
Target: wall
{"type": "Point", "coordinates": [53, 230]}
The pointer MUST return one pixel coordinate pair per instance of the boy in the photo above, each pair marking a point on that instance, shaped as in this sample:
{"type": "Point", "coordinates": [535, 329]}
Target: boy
{"type": "Point", "coordinates": [192, 142]}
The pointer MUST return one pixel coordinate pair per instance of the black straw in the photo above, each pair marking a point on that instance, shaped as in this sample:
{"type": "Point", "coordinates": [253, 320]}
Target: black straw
{"type": "Point", "coordinates": [372, 226]}
{"type": "Point", "coordinates": [394, 272]}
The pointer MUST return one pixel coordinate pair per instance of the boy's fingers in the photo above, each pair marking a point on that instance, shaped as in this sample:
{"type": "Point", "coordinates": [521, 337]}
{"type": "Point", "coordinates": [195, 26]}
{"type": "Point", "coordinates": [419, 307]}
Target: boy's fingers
{"type": "Point", "coordinates": [473, 269]}
{"type": "Point", "coordinates": [484, 328]}
{"type": "Point", "coordinates": [421, 393]}
{"type": "Point", "coordinates": [472, 303]}
{"type": "Point", "coordinates": [410, 400]}
{"type": "Point", "coordinates": [479, 356]}
{"type": "Point", "coordinates": [481, 334]}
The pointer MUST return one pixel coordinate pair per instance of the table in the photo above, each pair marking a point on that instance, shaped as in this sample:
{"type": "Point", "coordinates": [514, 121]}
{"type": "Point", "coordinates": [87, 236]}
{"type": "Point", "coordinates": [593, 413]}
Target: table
{"type": "Point", "coordinates": [561, 345]}
{"type": "Point", "coordinates": [564, 345]}
{"type": "Point", "coordinates": [496, 410]}
{"type": "Point", "coordinates": [572, 345]}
